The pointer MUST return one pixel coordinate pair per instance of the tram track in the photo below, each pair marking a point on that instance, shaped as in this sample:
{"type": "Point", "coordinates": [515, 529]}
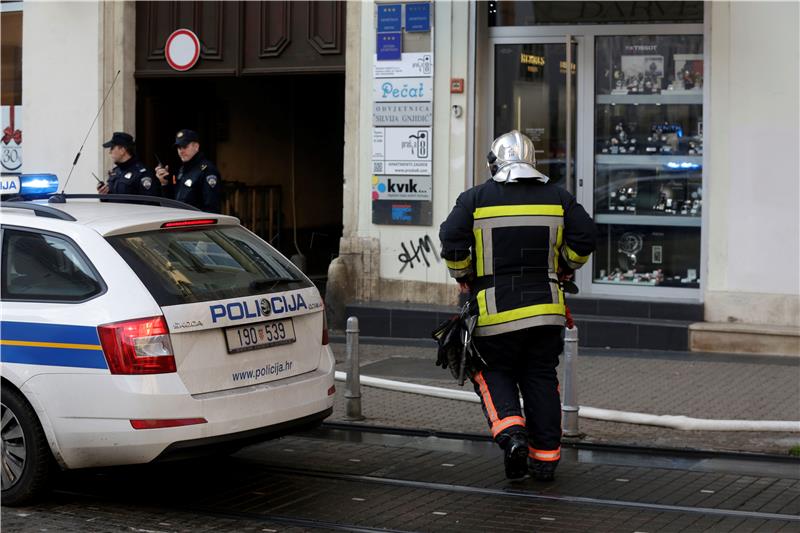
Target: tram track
{"type": "Point", "coordinates": [260, 479]}
{"type": "Point", "coordinates": [518, 494]}
{"type": "Point", "coordinates": [511, 493]}
{"type": "Point", "coordinates": [249, 516]}
{"type": "Point", "coordinates": [568, 443]}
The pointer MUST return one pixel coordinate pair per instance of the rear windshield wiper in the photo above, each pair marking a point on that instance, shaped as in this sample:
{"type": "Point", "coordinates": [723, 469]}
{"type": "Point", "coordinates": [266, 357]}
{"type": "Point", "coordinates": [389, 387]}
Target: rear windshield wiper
{"type": "Point", "coordinates": [269, 283]}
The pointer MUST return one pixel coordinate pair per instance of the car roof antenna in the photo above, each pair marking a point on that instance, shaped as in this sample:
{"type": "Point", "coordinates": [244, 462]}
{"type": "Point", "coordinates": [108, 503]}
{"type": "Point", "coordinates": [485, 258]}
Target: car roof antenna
{"type": "Point", "coordinates": [78, 155]}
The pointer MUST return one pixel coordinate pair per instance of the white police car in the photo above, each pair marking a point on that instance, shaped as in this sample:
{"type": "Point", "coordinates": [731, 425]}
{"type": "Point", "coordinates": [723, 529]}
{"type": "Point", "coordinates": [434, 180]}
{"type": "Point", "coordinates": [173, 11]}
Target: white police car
{"type": "Point", "coordinates": [133, 333]}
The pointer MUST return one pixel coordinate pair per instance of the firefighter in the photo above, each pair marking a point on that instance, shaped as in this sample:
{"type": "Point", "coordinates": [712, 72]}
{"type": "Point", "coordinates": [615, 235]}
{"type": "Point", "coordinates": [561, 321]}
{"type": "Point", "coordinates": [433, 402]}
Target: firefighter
{"type": "Point", "coordinates": [199, 182]}
{"type": "Point", "coordinates": [129, 175]}
{"type": "Point", "coordinates": [508, 242]}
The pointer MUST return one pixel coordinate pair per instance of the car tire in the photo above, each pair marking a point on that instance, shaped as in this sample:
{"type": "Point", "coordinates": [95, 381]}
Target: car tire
{"type": "Point", "coordinates": [26, 463]}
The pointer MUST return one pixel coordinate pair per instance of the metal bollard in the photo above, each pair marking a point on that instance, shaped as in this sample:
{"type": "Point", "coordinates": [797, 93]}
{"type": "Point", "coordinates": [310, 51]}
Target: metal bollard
{"type": "Point", "coordinates": [569, 409]}
{"type": "Point", "coordinates": [352, 391]}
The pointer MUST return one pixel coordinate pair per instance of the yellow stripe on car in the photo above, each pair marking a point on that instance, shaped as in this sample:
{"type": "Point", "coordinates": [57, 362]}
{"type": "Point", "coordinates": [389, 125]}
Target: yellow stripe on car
{"type": "Point", "coordinates": [51, 345]}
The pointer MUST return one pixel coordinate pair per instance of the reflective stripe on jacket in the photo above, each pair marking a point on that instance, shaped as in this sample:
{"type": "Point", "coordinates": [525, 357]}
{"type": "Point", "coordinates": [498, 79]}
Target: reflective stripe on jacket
{"type": "Point", "coordinates": [513, 239]}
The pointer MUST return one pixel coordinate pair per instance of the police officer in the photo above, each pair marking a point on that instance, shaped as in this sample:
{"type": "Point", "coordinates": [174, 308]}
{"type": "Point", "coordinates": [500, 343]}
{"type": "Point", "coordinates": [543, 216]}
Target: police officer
{"type": "Point", "coordinates": [129, 176]}
{"type": "Point", "coordinates": [508, 242]}
{"type": "Point", "coordinates": [199, 182]}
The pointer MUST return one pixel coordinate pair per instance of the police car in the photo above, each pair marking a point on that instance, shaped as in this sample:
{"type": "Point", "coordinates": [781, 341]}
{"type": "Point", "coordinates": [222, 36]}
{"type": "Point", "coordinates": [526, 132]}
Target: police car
{"type": "Point", "coordinates": [134, 332]}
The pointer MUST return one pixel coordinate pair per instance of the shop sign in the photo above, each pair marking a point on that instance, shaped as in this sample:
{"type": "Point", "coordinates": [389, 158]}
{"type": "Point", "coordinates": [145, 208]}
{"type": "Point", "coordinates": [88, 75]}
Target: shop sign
{"type": "Point", "coordinates": [418, 17]}
{"type": "Point", "coordinates": [402, 114]}
{"type": "Point", "coordinates": [410, 65]}
{"type": "Point", "coordinates": [401, 151]}
{"type": "Point", "coordinates": [389, 18]}
{"type": "Point", "coordinates": [402, 90]}
{"type": "Point", "coordinates": [11, 142]}
{"type": "Point", "coordinates": [402, 212]}
{"type": "Point", "coordinates": [389, 46]}
{"type": "Point", "coordinates": [401, 187]}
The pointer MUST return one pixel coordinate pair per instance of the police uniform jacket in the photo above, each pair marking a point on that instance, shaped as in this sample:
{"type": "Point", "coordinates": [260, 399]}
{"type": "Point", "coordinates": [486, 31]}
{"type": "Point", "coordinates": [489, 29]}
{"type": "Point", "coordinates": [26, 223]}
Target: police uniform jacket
{"type": "Point", "coordinates": [199, 184]}
{"type": "Point", "coordinates": [511, 240]}
{"type": "Point", "coordinates": [132, 177]}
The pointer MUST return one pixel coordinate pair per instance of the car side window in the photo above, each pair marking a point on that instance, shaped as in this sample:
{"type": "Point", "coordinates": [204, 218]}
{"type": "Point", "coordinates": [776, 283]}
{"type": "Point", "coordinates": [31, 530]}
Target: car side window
{"type": "Point", "coordinates": [45, 267]}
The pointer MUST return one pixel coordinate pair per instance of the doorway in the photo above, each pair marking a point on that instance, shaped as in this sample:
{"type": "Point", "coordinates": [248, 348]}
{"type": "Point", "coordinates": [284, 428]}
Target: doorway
{"type": "Point", "coordinates": [278, 142]}
{"type": "Point", "coordinates": [534, 97]}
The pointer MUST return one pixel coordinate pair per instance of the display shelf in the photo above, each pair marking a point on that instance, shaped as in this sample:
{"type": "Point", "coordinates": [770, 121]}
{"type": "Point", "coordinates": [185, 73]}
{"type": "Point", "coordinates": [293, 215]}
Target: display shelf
{"type": "Point", "coordinates": [666, 97]}
{"type": "Point", "coordinates": [649, 220]}
{"type": "Point", "coordinates": [696, 161]}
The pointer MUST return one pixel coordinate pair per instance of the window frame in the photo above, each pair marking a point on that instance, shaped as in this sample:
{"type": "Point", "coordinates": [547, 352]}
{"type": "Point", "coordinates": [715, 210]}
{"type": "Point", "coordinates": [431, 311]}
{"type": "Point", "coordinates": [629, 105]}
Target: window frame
{"type": "Point", "coordinates": [103, 289]}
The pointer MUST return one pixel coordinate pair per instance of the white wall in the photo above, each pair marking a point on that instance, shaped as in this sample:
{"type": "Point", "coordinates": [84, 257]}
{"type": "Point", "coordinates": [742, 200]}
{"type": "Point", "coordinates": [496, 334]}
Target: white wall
{"type": "Point", "coordinates": [450, 21]}
{"type": "Point", "coordinates": [60, 89]}
{"type": "Point", "coordinates": [753, 187]}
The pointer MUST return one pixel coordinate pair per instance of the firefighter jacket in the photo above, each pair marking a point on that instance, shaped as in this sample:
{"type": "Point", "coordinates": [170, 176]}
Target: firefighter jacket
{"type": "Point", "coordinates": [510, 241]}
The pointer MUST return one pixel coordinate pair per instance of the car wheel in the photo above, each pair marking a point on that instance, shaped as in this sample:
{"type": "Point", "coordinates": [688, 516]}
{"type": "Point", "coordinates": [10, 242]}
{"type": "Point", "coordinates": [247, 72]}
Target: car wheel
{"type": "Point", "coordinates": [25, 459]}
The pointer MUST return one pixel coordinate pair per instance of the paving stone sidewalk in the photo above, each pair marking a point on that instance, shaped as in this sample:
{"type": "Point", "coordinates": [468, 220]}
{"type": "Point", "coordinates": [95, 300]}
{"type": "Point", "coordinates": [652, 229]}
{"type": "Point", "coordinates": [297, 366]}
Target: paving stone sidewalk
{"type": "Point", "coordinates": [711, 386]}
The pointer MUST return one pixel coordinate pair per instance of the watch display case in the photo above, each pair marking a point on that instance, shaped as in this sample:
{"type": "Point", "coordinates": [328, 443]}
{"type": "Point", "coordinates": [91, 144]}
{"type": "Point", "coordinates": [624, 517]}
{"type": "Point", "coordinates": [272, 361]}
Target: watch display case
{"type": "Point", "coordinates": [648, 162]}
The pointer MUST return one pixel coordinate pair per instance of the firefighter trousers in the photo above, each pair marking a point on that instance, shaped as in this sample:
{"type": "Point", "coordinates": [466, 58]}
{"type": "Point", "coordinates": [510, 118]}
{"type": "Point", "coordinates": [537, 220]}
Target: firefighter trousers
{"type": "Point", "coordinates": [523, 362]}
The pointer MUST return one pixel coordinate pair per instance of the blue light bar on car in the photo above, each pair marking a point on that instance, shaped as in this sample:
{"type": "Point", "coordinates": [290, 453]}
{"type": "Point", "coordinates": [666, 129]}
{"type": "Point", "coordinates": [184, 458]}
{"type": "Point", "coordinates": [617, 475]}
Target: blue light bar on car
{"type": "Point", "coordinates": [33, 186]}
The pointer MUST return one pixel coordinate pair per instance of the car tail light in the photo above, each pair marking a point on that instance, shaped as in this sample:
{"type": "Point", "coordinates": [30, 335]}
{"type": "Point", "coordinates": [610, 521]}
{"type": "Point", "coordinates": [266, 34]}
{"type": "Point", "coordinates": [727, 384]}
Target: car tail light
{"type": "Point", "coordinates": [325, 339]}
{"type": "Point", "coordinates": [189, 223]}
{"type": "Point", "coordinates": [156, 423]}
{"type": "Point", "coordinates": [138, 346]}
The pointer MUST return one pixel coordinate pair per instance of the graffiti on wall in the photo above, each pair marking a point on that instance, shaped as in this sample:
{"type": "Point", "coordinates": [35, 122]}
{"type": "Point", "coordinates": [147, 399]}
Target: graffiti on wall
{"type": "Point", "coordinates": [418, 253]}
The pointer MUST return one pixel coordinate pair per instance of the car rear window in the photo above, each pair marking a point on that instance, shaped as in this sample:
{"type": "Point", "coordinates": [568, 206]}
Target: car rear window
{"type": "Point", "coordinates": [203, 264]}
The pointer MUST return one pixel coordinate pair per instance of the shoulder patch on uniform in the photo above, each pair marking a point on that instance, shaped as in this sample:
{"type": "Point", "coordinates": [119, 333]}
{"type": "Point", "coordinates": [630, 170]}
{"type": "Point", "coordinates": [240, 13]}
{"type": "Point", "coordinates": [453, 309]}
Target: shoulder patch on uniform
{"type": "Point", "coordinates": [211, 180]}
{"type": "Point", "coordinates": [147, 183]}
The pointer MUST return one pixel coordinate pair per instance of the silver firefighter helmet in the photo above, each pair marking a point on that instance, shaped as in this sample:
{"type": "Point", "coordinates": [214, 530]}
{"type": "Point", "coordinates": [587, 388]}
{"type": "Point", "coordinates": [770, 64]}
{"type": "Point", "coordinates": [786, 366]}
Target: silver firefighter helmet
{"type": "Point", "coordinates": [512, 157]}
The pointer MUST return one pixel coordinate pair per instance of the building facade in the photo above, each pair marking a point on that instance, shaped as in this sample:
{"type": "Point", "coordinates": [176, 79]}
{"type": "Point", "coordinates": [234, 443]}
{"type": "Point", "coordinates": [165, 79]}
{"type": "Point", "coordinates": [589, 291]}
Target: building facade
{"type": "Point", "coordinates": [659, 132]}
{"type": "Point", "coordinates": [350, 129]}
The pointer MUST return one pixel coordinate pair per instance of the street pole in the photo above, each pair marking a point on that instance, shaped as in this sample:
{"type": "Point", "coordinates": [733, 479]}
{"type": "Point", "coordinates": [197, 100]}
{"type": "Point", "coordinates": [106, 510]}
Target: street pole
{"type": "Point", "coordinates": [569, 409]}
{"type": "Point", "coordinates": [352, 391]}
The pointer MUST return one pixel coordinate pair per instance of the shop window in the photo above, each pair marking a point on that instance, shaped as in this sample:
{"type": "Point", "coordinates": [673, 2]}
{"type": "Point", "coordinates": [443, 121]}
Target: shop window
{"type": "Point", "coordinates": [513, 13]}
{"type": "Point", "coordinates": [648, 162]}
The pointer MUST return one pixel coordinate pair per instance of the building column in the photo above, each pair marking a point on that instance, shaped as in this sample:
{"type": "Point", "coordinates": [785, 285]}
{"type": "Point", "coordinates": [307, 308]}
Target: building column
{"type": "Point", "coordinates": [117, 49]}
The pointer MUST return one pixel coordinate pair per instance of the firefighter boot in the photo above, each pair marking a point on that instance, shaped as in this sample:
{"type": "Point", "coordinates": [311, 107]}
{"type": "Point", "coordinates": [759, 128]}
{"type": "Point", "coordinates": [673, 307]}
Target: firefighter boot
{"type": "Point", "coordinates": [516, 456]}
{"type": "Point", "coordinates": [543, 470]}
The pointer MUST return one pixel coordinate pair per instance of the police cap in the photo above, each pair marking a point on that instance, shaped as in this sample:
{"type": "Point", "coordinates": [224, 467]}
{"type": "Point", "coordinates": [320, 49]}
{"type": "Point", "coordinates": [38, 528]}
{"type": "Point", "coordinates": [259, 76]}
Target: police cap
{"type": "Point", "coordinates": [184, 137]}
{"type": "Point", "coordinates": [120, 138]}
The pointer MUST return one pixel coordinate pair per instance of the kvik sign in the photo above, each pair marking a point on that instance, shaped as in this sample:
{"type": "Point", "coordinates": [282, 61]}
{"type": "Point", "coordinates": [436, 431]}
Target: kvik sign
{"type": "Point", "coordinates": [182, 49]}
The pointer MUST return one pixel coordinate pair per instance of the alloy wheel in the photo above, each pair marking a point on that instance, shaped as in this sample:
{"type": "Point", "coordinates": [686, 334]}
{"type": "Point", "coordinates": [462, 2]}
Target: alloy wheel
{"type": "Point", "coordinates": [12, 452]}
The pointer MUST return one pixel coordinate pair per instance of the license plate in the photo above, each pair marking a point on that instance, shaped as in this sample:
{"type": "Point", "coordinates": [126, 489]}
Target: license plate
{"type": "Point", "coordinates": [261, 335]}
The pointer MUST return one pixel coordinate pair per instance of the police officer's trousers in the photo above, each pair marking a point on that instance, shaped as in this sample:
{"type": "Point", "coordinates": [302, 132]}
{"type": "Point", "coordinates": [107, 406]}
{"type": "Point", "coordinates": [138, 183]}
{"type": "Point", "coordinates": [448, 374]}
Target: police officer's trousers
{"type": "Point", "coordinates": [523, 361]}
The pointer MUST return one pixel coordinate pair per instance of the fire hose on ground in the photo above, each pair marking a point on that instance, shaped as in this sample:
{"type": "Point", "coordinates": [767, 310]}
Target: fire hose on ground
{"type": "Point", "coordinates": [570, 410]}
